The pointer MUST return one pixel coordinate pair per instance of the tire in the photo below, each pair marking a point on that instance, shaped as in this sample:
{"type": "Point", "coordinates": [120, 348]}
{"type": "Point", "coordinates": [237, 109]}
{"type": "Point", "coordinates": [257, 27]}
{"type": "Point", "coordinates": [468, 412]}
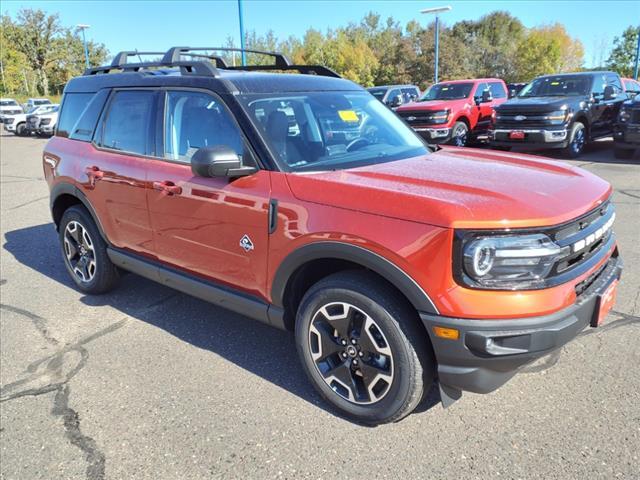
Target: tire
{"type": "Point", "coordinates": [577, 140]}
{"type": "Point", "coordinates": [406, 365]}
{"type": "Point", "coordinates": [623, 153]}
{"type": "Point", "coordinates": [21, 130]}
{"type": "Point", "coordinates": [459, 134]}
{"type": "Point", "coordinates": [84, 252]}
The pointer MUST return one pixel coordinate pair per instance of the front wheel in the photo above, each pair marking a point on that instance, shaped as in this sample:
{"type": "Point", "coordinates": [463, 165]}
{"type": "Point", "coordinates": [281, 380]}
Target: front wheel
{"type": "Point", "coordinates": [460, 134]}
{"type": "Point", "coordinates": [362, 347]}
{"type": "Point", "coordinates": [21, 130]}
{"type": "Point", "coordinates": [577, 140]}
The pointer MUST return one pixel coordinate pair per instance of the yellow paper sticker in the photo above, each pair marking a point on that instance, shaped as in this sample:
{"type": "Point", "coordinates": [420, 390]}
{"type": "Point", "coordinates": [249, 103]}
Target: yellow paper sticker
{"type": "Point", "coordinates": [555, 83]}
{"type": "Point", "coordinates": [348, 115]}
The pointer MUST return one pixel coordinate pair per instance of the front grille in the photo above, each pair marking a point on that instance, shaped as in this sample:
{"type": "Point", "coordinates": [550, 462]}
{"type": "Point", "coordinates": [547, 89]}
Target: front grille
{"type": "Point", "coordinates": [522, 119]}
{"type": "Point", "coordinates": [417, 117]}
{"type": "Point", "coordinates": [635, 116]}
{"type": "Point", "coordinates": [45, 121]}
{"type": "Point", "coordinates": [584, 237]}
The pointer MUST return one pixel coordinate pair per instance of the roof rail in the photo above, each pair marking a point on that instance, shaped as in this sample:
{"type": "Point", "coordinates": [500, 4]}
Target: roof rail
{"type": "Point", "coordinates": [186, 67]}
{"type": "Point", "coordinates": [306, 69]}
{"type": "Point", "coordinates": [174, 54]}
{"type": "Point", "coordinates": [120, 58]}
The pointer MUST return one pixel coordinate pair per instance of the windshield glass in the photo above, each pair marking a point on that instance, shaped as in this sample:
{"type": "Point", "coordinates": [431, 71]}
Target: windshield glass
{"type": "Point", "coordinates": [561, 85]}
{"type": "Point", "coordinates": [447, 91]}
{"type": "Point", "coordinates": [8, 103]}
{"type": "Point", "coordinates": [317, 131]}
{"type": "Point", "coordinates": [378, 92]}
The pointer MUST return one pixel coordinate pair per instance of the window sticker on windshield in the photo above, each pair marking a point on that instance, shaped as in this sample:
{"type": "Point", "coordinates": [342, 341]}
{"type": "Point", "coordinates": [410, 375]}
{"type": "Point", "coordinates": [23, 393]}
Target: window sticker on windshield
{"type": "Point", "coordinates": [555, 83]}
{"type": "Point", "coordinates": [444, 89]}
{"type": "Point", "coordinates": [348, 115]}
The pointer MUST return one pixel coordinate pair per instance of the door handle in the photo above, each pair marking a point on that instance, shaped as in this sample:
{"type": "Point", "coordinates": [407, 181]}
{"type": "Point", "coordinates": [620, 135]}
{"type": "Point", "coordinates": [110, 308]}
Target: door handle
{"type": "Point", "coordinates": [94, 171]}
{"type": "Point", "coordinates": [167, 187]}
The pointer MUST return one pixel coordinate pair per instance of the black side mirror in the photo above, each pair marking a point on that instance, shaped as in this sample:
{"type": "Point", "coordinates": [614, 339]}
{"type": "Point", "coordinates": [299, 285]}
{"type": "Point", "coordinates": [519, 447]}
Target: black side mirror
{"type": "Point", "coordinates": [219, 161]}
{"type": "Point", "coordinates": [396, 101]}
{"type": "Point", "coordinates": [486, 96]}
{"type": "Point", "coordinates": [609, 93]}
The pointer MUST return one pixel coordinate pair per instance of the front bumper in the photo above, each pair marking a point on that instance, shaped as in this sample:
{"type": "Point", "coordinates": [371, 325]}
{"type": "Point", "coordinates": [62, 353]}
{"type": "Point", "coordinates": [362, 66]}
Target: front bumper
{"type": "Point", "coordinates": [534, 138]}
{"type": "Point", "coordinates": [10, 127]}
{"type": "Point", "coordinates": [489, 352]}
{"type": "Point", "coordinates": [435, 135]}
{"type": "Point", "coordinates": [627, 136]}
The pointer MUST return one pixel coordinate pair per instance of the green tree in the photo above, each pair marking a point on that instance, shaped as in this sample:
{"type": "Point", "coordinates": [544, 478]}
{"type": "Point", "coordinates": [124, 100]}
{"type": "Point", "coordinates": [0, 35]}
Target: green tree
{"type": "Point", "coordinates": [623, 55]}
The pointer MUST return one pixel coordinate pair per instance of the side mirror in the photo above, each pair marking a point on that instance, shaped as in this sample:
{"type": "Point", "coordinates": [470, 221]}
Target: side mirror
{"type": "Point", "coordinates": [609, 93]}
{"type": "Point", "coordinates": [219, 161]}
{"type": "Point", "coordinates": [486, 96]}
{"type": "Point", "coordinates": [396, 101]}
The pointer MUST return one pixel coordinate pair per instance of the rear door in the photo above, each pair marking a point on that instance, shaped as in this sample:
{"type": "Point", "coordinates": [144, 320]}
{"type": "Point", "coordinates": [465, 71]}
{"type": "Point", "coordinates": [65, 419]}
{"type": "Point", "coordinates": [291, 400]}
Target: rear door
{"type": "Point", "coordinates": [216, 228]}
{"type": "Point", "coordinates": [114, 172]}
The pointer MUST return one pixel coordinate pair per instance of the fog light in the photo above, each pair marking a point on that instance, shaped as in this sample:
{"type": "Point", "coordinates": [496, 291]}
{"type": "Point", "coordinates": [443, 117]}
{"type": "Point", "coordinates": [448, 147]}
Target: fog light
{"type": "Point", "coordinates": [448, 333]}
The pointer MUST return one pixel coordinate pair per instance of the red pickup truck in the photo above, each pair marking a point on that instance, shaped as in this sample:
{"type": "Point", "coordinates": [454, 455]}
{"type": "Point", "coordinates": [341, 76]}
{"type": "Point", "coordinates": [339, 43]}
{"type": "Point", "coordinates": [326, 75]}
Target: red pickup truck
{"type": "Point", "coordinates": [455, 112]}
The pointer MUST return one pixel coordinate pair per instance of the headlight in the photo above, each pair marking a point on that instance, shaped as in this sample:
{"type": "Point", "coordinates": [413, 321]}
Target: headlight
{"type": "Point", "coordinates": [509, 262]}
{"type": "Point", "coordinates": [558, 117]}
{"type": "Point", "coordinates": [624, 114]}
{"type": "Point", "coordinates": [441, 116]}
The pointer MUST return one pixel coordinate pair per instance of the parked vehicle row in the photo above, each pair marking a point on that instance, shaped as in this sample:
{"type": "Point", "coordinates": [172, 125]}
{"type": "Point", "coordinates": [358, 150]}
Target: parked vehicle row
{"type": "Point", "coordinates": [304, 202]}
{"type": "Point", "coordinates": [564, 111]}
{"type": "Point", "coordinates": [39, 119]}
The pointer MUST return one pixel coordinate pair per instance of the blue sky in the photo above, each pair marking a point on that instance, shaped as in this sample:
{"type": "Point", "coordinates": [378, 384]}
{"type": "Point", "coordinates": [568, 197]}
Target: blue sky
{"type": "Point", "coordinates": [153, 25]}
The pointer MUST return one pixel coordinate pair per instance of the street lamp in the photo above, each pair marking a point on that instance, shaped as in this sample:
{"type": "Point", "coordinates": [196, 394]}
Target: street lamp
{"type": "Point", "coordinates": [83, 27]}
{"type": "Point", "coordinates": [436, 11]}
{"type": "Point", "coordinates": [243, 55]}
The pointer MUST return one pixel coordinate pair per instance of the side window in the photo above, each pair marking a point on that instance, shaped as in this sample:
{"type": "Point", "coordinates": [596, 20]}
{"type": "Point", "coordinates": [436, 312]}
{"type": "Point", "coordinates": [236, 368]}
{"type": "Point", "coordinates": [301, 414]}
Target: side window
{"type": "Point", "coordinates": [497, 90]}
{"type": "Point", "coordinates": [409, 94]}
{"type": "Point", "coordinates": [479, 89]}
{"type": "Point", "coordinates": [128, 124]}
{"type": "Point", "coordinates": [393, 94]}
{"type": "Point", "coordinates": [85, 125]}
{"type": "Point", "coordinates": [598, 86]}
{"type": "Point", "coordinates": [194, 120]}
{"type": "Point", "coordinates": [615, 81]}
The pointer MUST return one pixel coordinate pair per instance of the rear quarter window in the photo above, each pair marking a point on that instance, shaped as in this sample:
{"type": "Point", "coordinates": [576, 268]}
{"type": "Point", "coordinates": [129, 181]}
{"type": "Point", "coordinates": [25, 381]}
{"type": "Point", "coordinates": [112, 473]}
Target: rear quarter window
{"type": "Point", "coordinates": [73, 104]}
{"type": "Point", "coordinates": [85, 125]}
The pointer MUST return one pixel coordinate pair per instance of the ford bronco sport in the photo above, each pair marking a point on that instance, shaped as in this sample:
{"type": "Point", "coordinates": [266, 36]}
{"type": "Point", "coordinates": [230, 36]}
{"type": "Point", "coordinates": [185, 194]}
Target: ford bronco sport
{"type": "Point", "coordinates": [456, 112]}
{"type": "Point", "coordinates": [302, 201]}
{"type": "Point", "coordinates": [559, 111]}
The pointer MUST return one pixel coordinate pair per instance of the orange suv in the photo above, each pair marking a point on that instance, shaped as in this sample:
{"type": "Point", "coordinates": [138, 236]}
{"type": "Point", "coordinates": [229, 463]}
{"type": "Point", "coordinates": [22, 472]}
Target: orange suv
{"type": "Point", "coordinates": [303, 202]}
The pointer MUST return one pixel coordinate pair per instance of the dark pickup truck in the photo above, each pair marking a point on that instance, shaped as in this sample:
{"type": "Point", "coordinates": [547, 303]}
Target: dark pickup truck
{"type": "Point", "coordinates": [626, 136]}
{"type": "Point", "coordinates": [559, 111]}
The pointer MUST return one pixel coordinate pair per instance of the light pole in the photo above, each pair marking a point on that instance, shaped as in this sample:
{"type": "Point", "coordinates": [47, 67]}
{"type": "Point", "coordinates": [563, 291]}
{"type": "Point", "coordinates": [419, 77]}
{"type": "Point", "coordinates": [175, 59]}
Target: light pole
{"type": "Point", "coordinates": [635, 69]}
{"type": "Point", "coordinates": [83, 27]}
{"type": "Point", "coordinates": [244, 58]}
{"type": "Point", "coordinates": [436, 11]}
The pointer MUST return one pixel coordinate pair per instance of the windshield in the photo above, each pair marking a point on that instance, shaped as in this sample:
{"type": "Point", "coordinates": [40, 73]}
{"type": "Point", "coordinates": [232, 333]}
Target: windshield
{"type": "Point", "coordinates": [561, 85]}
{"type": "Point", "coordinates": [8, 103]}
{"type": "Point", "coordinates": [378, 92]}
{"type": "Point", "coordinates": [318, 131]}
{"type": "Point", "coordinates": [447, 91]}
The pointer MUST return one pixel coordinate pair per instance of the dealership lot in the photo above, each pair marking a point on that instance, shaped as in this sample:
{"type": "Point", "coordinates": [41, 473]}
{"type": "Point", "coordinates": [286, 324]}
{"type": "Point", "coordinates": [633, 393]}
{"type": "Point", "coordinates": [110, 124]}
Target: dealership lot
{"type": "Point", "coordinates": [149, 383]}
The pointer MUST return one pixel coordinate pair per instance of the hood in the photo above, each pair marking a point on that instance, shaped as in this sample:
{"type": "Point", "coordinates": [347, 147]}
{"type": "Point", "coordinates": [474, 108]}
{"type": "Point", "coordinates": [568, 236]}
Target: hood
{"type": "Point", "coordinates": [430, 105]}
{"type": "Point", "coordinates": [536, 103]}
{"type": "Point", "coordinates": [460, 188]}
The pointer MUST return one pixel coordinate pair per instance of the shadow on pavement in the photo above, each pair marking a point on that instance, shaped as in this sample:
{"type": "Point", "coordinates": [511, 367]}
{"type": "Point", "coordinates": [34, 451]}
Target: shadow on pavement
{"type": "Point", "coordinates": [257, 348]}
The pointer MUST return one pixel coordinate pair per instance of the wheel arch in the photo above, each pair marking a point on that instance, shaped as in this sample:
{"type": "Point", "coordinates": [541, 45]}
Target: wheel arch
{"type": "Point", "coordinates": [308, 264]}
{"type": "Point", "coordinates": [64, 195]}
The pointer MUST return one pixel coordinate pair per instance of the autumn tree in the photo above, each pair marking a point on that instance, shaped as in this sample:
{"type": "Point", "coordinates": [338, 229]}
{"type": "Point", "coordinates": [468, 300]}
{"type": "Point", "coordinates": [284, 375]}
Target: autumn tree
{"type": "Point", "coordinates": [623, 55]}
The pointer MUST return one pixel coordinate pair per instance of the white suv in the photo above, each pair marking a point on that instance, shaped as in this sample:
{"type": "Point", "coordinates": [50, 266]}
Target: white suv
{"type": "Point", "coordinates": [18, 123]}
{"type": "Point", "coordinates": [8, 106]}
{"type": "Point", "coordinates": [43, 124]}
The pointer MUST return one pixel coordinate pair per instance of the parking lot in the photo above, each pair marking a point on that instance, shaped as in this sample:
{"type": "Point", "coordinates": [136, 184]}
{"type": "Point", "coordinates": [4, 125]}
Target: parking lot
{"type": "Point", "coordinates": [149, 383]}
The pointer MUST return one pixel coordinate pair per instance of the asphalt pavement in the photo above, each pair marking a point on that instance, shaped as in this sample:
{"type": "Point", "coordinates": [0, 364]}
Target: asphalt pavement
{"type": "Point", "coordinates": [148, 383]}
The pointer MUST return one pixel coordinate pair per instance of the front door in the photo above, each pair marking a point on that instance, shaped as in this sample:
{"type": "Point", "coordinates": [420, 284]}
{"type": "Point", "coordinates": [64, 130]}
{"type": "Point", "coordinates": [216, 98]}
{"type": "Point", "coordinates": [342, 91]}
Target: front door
{"type": "Point", "coordinates": [216, 228]}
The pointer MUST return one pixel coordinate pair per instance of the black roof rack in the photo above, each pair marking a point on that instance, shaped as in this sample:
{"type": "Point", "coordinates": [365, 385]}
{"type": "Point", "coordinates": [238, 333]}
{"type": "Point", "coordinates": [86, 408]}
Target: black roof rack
{"type": "Point", "coordinates": [173, 58]}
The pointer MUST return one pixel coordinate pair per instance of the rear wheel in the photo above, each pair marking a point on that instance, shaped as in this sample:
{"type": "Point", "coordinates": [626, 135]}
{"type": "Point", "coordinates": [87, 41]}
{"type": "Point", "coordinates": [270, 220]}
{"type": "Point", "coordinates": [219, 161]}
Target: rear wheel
{"type": "Point", "coordinates": [577, 140]}
{"type": "Point", "coordinates": [85, 252]}
{"type": "Point", "coordinates": [459, 134]}
{"type": "Point", "coordinates": [623, 153]}
{"type": "Point", "coordinates": [362, 347]}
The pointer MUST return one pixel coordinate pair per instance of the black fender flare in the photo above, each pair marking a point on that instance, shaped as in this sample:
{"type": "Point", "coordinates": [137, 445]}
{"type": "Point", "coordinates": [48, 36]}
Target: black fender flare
{"type": "Point", "coordinates": [353, 253]}
{"type": "Point", "coordinates": [65, 188]}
